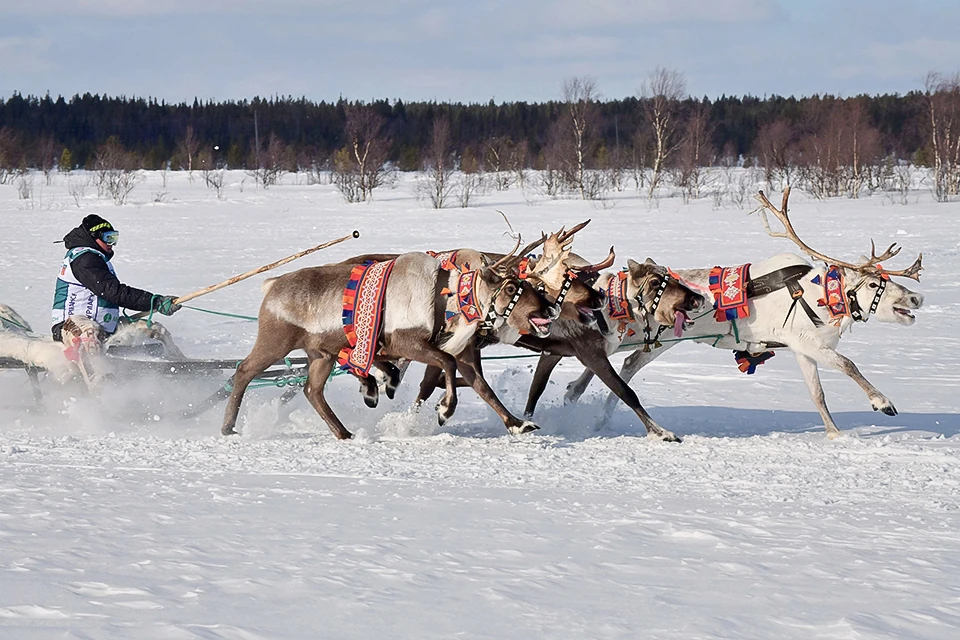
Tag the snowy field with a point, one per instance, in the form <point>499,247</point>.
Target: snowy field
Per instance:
<point>119,522</point>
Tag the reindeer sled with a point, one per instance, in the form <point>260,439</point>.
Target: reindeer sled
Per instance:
<point>139,348</point>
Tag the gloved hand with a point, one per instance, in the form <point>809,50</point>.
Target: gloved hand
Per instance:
<point>167,306</point>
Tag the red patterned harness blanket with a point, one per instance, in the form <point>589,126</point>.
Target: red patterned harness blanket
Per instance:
<point>618,306</point>
<point>363,315</point>
<point>447,259</point>
<point>466,298</point>
<point>729,288</point>
<point>834,294</point>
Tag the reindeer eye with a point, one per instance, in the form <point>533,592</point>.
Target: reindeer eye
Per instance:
<point>654,283</point>
<point>510,289</point>
<point>874,285</point>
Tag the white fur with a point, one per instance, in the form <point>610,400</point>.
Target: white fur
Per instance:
<point>411,292</point>
<point>20,343</point>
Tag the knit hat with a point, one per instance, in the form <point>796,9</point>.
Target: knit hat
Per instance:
<point>96,225</point>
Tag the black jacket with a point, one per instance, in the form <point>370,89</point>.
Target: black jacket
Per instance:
<point>92,272</point>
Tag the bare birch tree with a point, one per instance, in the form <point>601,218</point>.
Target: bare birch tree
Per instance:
<point>661,96</point>
<point>271,162</point>
<point>116,170</point>
<point>496,156</point>
<point>695,152</point>
<point>187,149</point>
<point>776,150</point>
<point>579,123</point>
<point>943,108</point>
<point>437,183</point>
<point>47,157</point>
<point>361,165</point>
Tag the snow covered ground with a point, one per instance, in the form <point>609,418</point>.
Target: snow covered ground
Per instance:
<point>118,522</point>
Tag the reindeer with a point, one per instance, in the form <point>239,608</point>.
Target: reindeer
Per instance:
<point>559,274</point>
<point>778,320</point>
<point>302,310</point>
<point>646,298</point>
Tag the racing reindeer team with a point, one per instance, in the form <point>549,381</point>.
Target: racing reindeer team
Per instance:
<point>383,311</point>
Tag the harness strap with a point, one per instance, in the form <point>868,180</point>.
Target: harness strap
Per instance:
<point>796,292</point>
<point>487,324</point>
<point>856,311</point>
<point>775,280</point>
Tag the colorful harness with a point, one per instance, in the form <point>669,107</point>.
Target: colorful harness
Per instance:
<point>363,315</point>
<point>467,302</point>
<point>618,308</point>
<point>834,294</point>
<point>729,288</point>
<point>448,259</point>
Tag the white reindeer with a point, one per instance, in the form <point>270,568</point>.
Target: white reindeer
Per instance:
<point>19,342</point>
<point>777,322</point>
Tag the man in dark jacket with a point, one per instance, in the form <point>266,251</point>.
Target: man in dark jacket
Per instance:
<point>88,288</point>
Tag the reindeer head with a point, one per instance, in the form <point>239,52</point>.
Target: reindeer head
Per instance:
<point>514,298</point>
<point>868,276</point>
<point>647,279</point>
<point>896,301</point>
<point>531,313</point>
<point>558,269</point>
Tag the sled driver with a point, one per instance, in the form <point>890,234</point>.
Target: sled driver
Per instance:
<point>88,298</point>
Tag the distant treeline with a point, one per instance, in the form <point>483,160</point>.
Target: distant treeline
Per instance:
<point>33,127</point>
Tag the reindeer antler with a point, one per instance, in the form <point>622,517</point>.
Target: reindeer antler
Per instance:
<point>564,236</point>
<point>912,272</point>
<point>871,265</point>
<point>600,266</point>
<point>502,261</point>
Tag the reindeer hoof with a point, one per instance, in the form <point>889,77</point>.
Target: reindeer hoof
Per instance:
<point>528,426</point>
<point>444,412</point>
<point>883,404</point>
<point>228,431</point>
<point>390,391</point>
<point>524,427</point>
<point>833,435</point>
<point>371,401</point>
<point>666,436</point>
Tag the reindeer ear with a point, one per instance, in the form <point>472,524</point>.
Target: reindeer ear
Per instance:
<point>649,261</point>
<point>491,277</point>
<point>632,265</point>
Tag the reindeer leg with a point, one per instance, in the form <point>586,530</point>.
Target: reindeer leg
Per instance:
<point>469,366</point>
<point>370,391</point>
<point>829,358</point>
<point>431,380</point>
<point>808,367</point>
<point>393,374</point>
<point>321,364</point>
<point>545,366</point>
<point>253,365</point>
<point>576,388</point>
<point>416,345</point>
<point>266,350</point>
<point>598,362</point>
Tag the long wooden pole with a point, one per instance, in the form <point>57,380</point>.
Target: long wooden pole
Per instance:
<point>253,272</point>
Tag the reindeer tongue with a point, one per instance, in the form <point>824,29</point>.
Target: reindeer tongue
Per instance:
<point>678,321</point>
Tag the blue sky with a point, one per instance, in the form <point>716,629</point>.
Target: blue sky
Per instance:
<point>469,51</point>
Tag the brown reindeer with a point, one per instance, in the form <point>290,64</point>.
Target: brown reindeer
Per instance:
<point>647,300</point>
<point>302,310</point>
<point>562,276</point>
